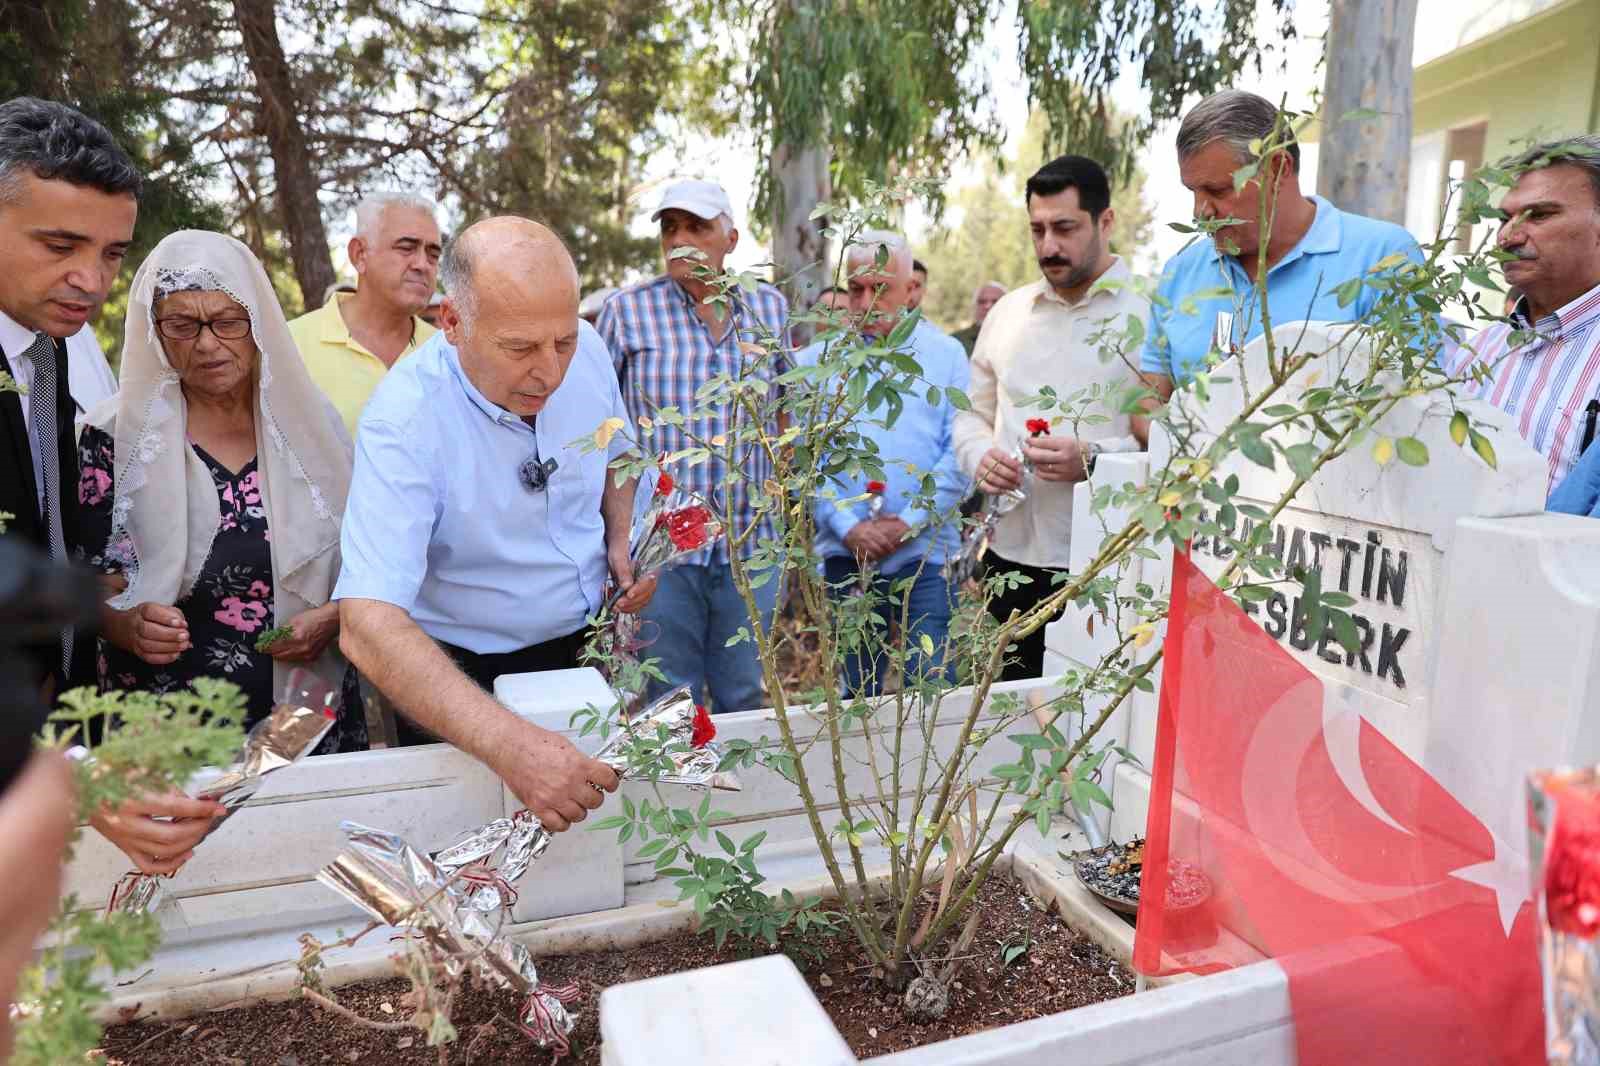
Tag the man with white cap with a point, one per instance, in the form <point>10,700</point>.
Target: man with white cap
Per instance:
<point>667,341</point>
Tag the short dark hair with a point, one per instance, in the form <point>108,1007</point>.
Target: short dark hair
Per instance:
<point>57,143</point>
<point>917,267</point>
<point>1073,172</point>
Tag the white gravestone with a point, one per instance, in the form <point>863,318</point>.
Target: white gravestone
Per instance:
<point>1381,534</point>
<point>1378,533</point>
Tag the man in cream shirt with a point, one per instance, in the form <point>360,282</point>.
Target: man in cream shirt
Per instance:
<point>1050,333</point>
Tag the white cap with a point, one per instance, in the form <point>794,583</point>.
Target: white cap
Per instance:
<point>704,199</point>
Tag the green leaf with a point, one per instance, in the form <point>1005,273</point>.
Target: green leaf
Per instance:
<point>1302,458</point>
<point>1257,450</point>
<point>957,398</point>
<point>1485,450</point>
<point>1459,428</point>
<point>1412,451</point>
<point>1344,630</point>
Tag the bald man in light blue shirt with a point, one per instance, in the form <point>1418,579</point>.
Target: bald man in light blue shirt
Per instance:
<point>478,532</point>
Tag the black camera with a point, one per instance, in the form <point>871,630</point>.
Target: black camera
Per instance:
<point>38,599</point>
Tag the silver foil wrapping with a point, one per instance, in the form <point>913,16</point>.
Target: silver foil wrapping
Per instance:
<point>1564,854</point>
<point>963,565</point>
<point>460,897</point>
<point>668,725</point>
<point>459,901</point>
<point>305,712</point>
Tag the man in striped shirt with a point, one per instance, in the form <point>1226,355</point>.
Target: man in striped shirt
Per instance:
<point>667,341</point>
<point>1543,368</point>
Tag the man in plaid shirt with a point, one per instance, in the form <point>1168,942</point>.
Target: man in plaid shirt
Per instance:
<point>667,342</point>
<point>1543,366</point>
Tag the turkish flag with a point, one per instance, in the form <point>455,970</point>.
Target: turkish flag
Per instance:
<point>1280,830</point>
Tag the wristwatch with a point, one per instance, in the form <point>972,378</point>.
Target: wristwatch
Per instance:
<point>1092,454</point>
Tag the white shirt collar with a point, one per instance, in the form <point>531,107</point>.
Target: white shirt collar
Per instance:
<point>15,338</point>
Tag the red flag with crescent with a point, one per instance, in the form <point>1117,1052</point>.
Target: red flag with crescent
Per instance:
<point>1279,829</point>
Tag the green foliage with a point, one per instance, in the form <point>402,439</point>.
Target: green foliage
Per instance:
<point>583,90</point>
<point>1072,53</point>
<point>81,52</point>
<point>271,636</point>
<point>158,743</point>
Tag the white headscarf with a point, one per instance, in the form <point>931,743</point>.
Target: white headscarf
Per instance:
<point>165,501</point>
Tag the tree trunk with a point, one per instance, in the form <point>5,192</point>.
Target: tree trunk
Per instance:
<point>799,184</point>
<point>1364,163</point>
<point>299,208</point>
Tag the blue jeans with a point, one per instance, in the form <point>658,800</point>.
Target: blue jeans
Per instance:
<point>927,608</point>
<point>696,609</point>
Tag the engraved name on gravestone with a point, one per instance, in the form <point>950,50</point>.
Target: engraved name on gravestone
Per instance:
<point>1390,573</point>
<point>1379,534</point>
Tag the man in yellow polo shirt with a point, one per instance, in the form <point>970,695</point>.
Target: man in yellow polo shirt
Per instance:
<point>351,341</point>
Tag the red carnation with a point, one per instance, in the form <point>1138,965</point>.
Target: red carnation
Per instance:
<point>704,730</point>
<point>1572,865</point>
<point>687,527</point>
<point>664,486</point>
<point>1038,427</point>
<point>877,488</point>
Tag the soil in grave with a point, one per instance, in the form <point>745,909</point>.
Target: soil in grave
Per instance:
<point>1059,970</point>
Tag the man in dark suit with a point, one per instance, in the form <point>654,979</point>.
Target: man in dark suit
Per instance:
<point>68,201</point>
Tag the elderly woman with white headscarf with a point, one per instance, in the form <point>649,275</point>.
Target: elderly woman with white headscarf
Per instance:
<point>213,483</point>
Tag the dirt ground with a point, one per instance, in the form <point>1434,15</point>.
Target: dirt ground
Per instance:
<point>1023,963</point>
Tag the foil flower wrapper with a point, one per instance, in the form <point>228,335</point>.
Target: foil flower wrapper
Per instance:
<point>673,528</point>
<point>975,537</point>
<point>305,712</point>
<point>679,732</point>
<point>458,900</point>
<point>1564,853</point>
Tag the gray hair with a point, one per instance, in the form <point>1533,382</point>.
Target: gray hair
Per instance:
<point>988,285</point>
<point>57,143</point>
<point>369,212</point>
<point>455,274</point>
<point>1582,151</point>
<point>1238,119</point>
<point>864,250</point>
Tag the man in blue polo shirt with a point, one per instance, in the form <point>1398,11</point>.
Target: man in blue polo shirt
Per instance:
<point>1311,247</point>
<point>478,535</point>
<point>914,535</point>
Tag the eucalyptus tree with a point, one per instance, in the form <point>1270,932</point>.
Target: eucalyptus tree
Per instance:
<point>838,92</point>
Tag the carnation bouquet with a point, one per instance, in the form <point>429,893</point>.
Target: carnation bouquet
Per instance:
<point>673,528</point>
<point>305,711</point>
<point>963,566</point>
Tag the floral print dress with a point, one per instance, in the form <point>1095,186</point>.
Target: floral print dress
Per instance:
<point>228,608</point>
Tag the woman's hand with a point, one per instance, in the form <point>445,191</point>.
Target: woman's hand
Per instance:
<point>154,632</point>
<point>310,634</point>
<point>158,832</point>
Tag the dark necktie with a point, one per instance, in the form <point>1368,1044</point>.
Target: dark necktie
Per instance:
<point>42,424</point>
